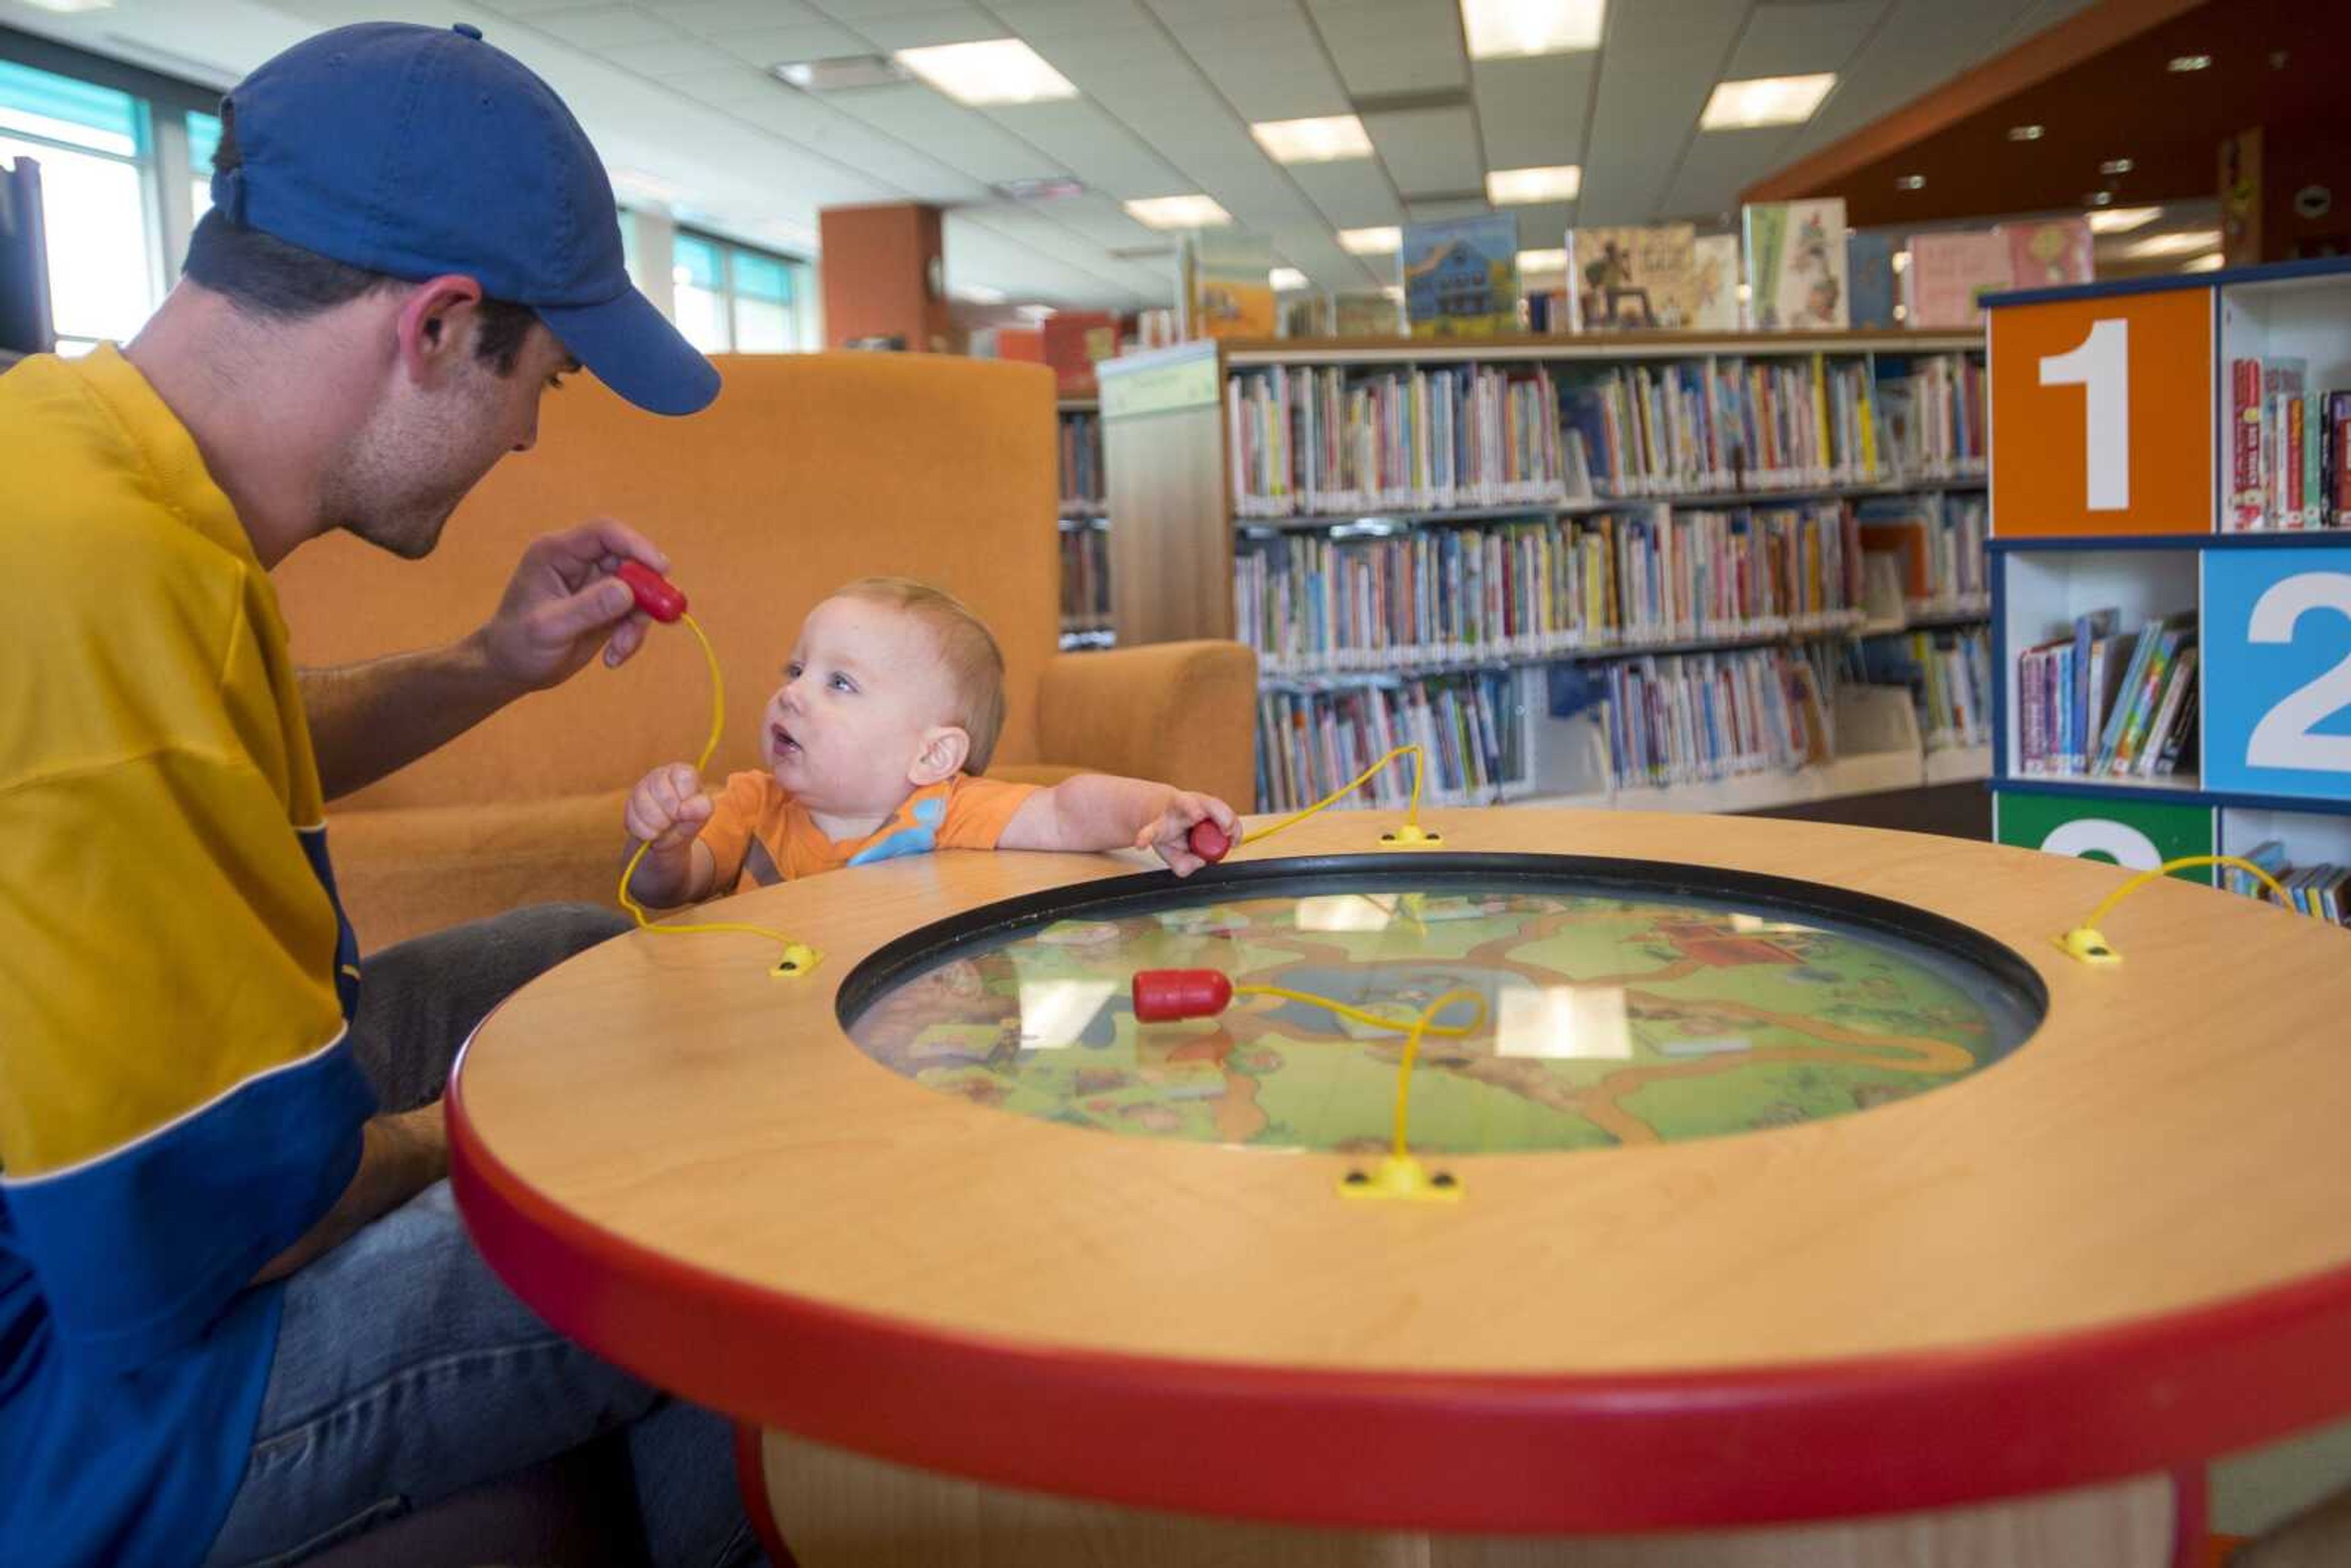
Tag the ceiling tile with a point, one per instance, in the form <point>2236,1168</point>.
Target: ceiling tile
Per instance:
<point>1094,147</point>
<point>730,15</point>
<point>1355,194</point>
<point>1717,167</point>
<point>728,84</point>
<point>1532,113</point>
<point>606,27</point>
<point>919,32</point>
<point>1395,46</point>
<point>675,57</point>
<point>1429,151</point>
<point>775,45</point>
<point>1799,39</point>
<point>960,137</point>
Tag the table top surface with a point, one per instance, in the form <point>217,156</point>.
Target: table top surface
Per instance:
<point>2119,1245</point>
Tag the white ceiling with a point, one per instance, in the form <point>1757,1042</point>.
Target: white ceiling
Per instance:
<point>678,96</point>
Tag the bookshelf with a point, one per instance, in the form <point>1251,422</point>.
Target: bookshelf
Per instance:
<point>1084,522</point>
<point>2119,481</point>
<point>1500,547</point>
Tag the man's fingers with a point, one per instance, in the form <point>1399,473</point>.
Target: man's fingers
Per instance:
<point>600,542</point>
<point>602,604</point>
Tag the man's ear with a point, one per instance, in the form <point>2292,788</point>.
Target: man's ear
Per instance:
<point>945,749</point>
<point>436,324</point>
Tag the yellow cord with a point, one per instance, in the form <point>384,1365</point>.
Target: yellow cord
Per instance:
<point>1410,833</point>
<point>1400,1174</point>
<point>797,958</point>
<point>2087,943</point>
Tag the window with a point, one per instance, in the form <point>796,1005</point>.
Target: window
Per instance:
<point>92,144</point>
<point>204,137</point>
<point>731,299</point>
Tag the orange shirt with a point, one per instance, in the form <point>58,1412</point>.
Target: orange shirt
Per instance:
<point>758,831</point>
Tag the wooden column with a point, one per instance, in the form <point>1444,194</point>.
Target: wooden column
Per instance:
<point>882,282</point>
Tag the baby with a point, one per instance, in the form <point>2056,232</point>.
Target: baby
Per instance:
<point>874,744</point>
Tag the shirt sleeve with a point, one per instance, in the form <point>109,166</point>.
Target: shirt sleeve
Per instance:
<point>180,1101</point>
<point>735,818</point>
<point>978,810</point>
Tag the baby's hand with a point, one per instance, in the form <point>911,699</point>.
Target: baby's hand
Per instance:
<point>667,808</point>
<point>1169,834</point>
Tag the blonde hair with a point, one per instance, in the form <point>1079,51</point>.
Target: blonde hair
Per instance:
<point>975,664</point>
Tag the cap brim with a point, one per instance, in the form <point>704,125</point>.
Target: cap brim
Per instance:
<point>633,349</point>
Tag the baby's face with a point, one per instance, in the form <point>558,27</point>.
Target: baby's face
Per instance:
<point>864,684</point>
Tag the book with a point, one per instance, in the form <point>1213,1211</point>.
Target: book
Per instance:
<point>1715,284</point>
<point>1869,263</point>
<point>2179,686</point>
<point>1635,278</point>
<point>2168,636</point>
<point>1461,276</point>
<point>1226,284</point>
<point>1795,255</point>
<point>2044,253</point>
<point>2118,709</point>
<point>1950,274</point>
<point>1365,313</point>
<point>2089,630</point>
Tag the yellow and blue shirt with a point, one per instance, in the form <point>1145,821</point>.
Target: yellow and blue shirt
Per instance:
<point>178,1098</point>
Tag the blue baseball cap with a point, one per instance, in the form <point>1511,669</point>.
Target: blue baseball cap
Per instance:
<point>413,152</point>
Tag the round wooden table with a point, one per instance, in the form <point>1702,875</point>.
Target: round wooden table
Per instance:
<point>1984,1324</point>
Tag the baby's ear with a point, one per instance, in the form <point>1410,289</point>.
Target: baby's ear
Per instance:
<point>945,749</point>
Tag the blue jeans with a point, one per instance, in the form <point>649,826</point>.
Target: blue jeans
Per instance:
<point>406,1372</point>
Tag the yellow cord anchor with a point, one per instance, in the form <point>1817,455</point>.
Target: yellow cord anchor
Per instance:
<point>1411,835</point>
<point>2087,944</point>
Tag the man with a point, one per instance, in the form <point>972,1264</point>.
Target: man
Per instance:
<point>238,1318</point>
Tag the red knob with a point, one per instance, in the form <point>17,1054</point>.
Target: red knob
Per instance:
<point>1210,842</point>
<point>656,595</point>
<point>1162,995</point>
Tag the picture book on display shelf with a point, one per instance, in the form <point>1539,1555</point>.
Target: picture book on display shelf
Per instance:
<point>1461,278</point>
<point>1632,279</point>
<point>1226,284</point>
<point>1796,265</point>
<point>1950,274</point>
<point>1715,284</point>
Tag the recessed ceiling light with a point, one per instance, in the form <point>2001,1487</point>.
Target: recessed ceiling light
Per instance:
<point>1764,100</point>
<point>1035,312</point>
<point>1511,187</point>
<point>2098,199</point>
<point>1745,293</point>
<point>2026,132</point>
<point>1286,278</point>
<point>999,71</point>
<point>1506,29</point>
<point>1542,260</point>
<point>979,294</point>
<point>2212,263</point>
<point>842,73</point>
<point>1040,188</point>
<point>1900,261</point>
<point>1372,241</point>
<point>2116,166</point>
<point>2190,63</point>
<point>1324,141</point>
<point>71,7</point>
<point>1911,183</point>
<point>2122,220</point>
<point>2183,242</point>
<point>1394,291</point>
<point>1178,213</point>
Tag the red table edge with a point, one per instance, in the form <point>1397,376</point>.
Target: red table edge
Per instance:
<point>1462,1454</point>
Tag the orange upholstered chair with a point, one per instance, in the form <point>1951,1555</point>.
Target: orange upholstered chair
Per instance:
<point>808,470</point>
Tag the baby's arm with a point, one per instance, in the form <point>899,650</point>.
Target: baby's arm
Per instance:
<point>665,811</point>
<point>1103,811</point>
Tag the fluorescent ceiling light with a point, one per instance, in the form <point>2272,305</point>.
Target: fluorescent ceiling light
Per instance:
<point>70,8</point>
<point>1286,278</point>
<point>1193,212</point>
<point>2210,263</point>
<point>1514,187</point>
<point>1372,241</point>
<point>1544,260</point>
<point>1506,29</point>
<point>2122,220</point>
<point>979,294</point>
<point>1000,70</point>
<point>1764,100</point>
<point>2184,242</point>
<point>1035,312</point>
<point>1324,141</point>
<point>1394,291</point>
<point>841,73</point>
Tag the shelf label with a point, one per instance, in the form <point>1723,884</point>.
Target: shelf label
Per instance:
<point>2133,834</point>
<point>2277,660</point>
<point>2103,415</point>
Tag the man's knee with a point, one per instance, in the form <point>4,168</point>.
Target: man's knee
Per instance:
<point>524,943</point>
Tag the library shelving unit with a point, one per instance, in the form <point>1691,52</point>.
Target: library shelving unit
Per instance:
<point>1084,523</point>
<point>2115,471</point>
<point>1621,570</point>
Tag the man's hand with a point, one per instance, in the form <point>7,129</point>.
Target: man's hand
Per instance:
<point>562,602</point>
<point>1169,833</point>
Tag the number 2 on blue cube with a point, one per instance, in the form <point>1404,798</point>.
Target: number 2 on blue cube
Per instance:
<point>2277,672</point>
